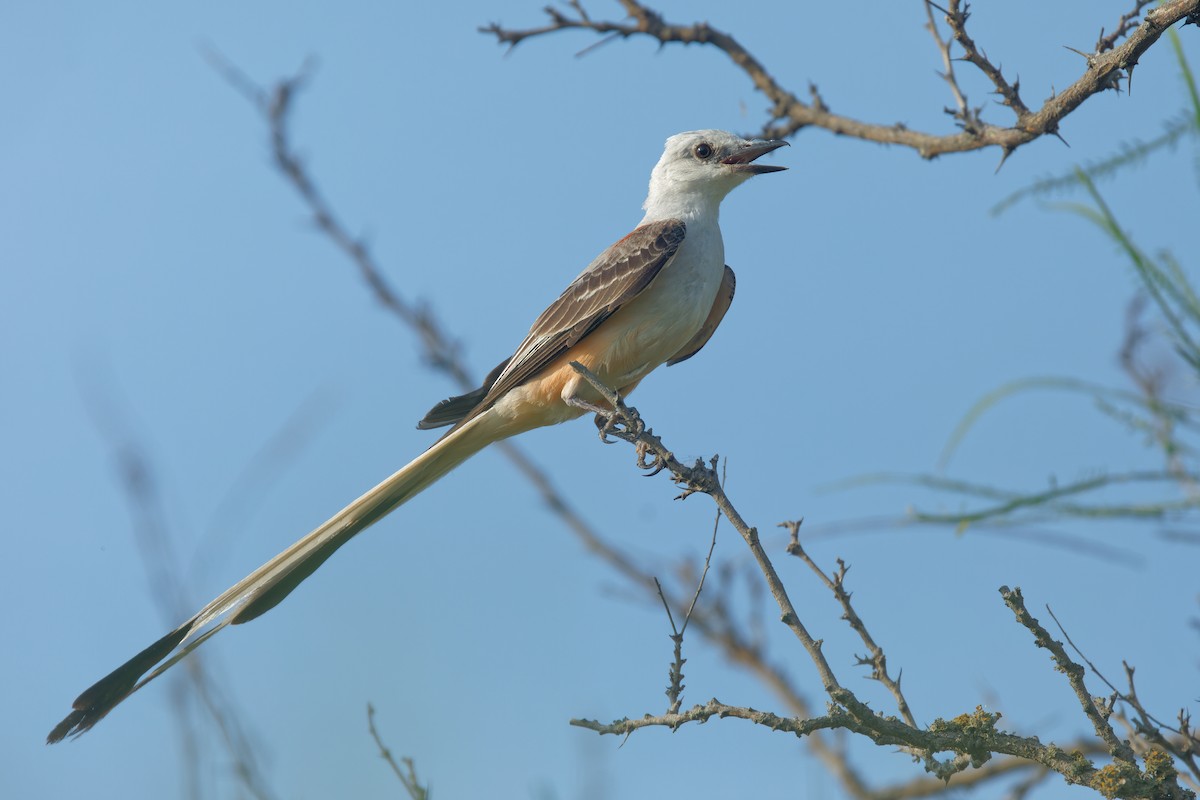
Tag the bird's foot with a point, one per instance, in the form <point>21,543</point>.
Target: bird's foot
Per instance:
<point>617,419</point>
<point>621,421</point>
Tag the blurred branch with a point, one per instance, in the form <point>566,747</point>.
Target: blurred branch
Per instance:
<point>407,775</point>
<point>1163,422</point>
<point>788,114</point>
<point>275,106</point>
<point>1181,413</point>
<point>1166,284</point>
<point>279,451</point>
<point>155,544</point>
<point>1147,410</point>
<point>1127,154</point>
<point>1049,503</point>
<point>438,348</point>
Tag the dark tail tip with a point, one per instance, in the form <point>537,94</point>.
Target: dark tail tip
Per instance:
<point>107,693</point>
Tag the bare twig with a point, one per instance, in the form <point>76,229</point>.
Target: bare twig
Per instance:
<point>1148,730</point>
<point>704,573</point>
<point>675,683</point>
<point>1160,778</point>
<point>965,115</point>
<point>836,584</point>
<point>701,714</point>
<point>1099,717</point>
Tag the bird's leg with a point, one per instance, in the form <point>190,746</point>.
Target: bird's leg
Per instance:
<point>619,419</point>
<point>592,408</point>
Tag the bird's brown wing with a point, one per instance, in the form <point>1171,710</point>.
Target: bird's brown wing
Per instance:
<point>617,275</point>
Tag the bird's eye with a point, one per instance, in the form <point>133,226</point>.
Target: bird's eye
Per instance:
<point>703,151</point>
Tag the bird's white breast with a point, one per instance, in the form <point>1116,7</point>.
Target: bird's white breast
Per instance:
<point>656,324</point>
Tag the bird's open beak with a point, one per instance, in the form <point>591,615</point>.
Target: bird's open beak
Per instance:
<point>742,160</point>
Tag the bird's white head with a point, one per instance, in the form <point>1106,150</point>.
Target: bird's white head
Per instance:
<point>699,168</point>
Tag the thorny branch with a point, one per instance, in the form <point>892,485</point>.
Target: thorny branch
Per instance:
<point>957,12</point>
<point>788,114</point>
<point>973,738</point>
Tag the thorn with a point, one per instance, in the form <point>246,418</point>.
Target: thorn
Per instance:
<point>1005,152</point>
<point>818,102</point>
<point>600,43</point>
<point>1091,62</point>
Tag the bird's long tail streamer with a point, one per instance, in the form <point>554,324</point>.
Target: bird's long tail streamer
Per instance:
<point>263,589</point>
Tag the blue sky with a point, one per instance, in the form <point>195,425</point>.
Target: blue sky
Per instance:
<point>159,283</point>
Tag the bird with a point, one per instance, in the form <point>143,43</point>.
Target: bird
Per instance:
<point>654,297</point>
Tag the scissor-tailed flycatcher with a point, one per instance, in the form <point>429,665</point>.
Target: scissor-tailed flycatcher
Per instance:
<point>654,297</point>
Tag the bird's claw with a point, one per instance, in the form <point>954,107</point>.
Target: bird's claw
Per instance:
<point>622,421</point>
<point>655,463</point>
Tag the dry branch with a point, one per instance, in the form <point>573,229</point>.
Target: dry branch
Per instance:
<point>788,114</point>
<point>973,737</point>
